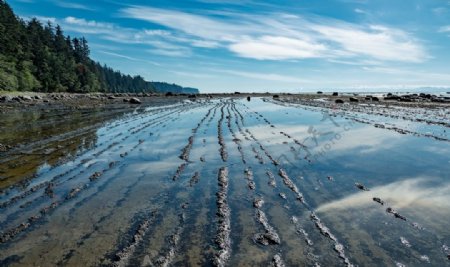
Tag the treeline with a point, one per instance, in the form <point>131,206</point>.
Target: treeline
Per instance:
<point>37,57</point>
<point>174,88</point>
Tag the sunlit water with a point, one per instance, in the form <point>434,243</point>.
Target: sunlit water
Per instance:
<point>141,190</point>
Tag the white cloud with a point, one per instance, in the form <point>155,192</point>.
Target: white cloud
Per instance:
<point>277,48</point>
<point>271,36</point>
<point>286,36</point>
<point>413,193</point>
<point>92,23</point>
<point>378,42</point>
<point>162,41</point>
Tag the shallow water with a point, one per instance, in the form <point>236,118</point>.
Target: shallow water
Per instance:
<point>143,189</point>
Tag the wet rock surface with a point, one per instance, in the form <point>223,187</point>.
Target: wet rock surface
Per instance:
<point>223,213</point>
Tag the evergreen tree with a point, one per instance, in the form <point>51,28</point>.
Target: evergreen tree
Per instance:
<point>37,57</point>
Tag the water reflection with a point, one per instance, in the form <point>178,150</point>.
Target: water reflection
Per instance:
<point>113,201</point>
<point>423,192</point>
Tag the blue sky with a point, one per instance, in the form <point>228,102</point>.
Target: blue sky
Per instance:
<point>252,45</point>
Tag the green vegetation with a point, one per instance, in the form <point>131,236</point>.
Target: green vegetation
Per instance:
<point>40,58</point>
<point>174,88</point>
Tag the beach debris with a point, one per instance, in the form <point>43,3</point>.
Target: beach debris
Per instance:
<point>249,176</point>
<point>194,179</point>
<point>405,242</point>
<point>277,261</point>
<point>338,247</point>
<point>258,202</point>
<point>301,231</point>
<point>271,179</point>
<point>270,237</point>
<point>425,258</point>
<point>288,182</point>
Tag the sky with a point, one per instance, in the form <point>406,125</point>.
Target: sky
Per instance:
<point>259,46</point>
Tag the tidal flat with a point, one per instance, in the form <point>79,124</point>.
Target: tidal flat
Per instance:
<point>226,181</point>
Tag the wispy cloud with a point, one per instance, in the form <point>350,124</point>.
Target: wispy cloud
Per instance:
<point>378,42</point>
<point>72,5</point>
<point>162,42</point>
<point>286,36</point>
<point>444,29</point>
<point>89,26</point>
<point>127,57</point>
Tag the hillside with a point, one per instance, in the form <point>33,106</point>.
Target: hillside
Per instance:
<point>174,88</point>
<point>40,58</point>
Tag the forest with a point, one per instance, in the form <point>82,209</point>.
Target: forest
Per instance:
<point>40,57</point>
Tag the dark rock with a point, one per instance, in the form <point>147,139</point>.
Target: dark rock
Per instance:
<point>192,96</point>
<point>126,100</point>
<point>95,176</point>
<point>395,213</point>
<point>353,99</point>
<point>339,101</point>
<point>361,187</point>
<point>257,203</point>
<point>25,98</point>
<point>267,239</point>
<point>248,98</point>
<point>49,190</point>
<point>374,98</point>
<point>392,97</point>
<point>135,100</point>
<point>111,97</point>
<point>319,92</point>
<point>276,96</point>
<point>377,199</point>
<point>5,98</point>
<point>169,94</point>
<point>237,93</point>
<point>335,94</point>
<point>4,148</point>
